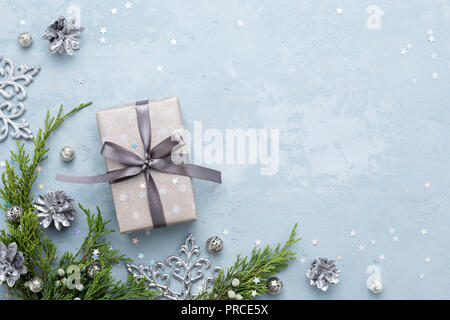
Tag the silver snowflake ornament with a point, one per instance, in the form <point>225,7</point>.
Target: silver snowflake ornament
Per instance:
<point>12,85</point>
<point>188,268</point>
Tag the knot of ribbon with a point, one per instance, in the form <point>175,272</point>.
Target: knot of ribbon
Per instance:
<point>157,158</point>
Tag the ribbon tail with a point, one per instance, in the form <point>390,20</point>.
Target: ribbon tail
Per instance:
<point>189,170</point>
<point>155,204</point>
<point>112,176</point>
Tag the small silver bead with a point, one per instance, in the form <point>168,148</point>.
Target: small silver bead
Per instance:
<point>25,39</point>
<point>214,244</point>
<point>35,285</point>
<point>274,285</point>
<point>14,213</point>
<point>67,153</point>
<point>376,286</point>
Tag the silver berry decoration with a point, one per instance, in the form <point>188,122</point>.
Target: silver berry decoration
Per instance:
<point>376,286</point>
<point>322,273</point>
<point>14,213</point>
<point>35,285</point>
<point>25,39</point>
<point>214,244</point>
<point>274,285</point>
<point>55,206</point>
<point>11,263</point>
<point>62,35</point>
<point>67,153</point>
<point>61,272</point>
<point>93,268</point>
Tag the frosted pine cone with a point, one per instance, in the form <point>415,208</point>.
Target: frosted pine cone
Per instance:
<point>55,206</point>
<point>62,35</point>
<point>11,264</point>
<point>322,273</point>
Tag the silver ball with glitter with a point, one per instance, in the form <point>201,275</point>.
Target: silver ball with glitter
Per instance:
<point>214,244</point>
<point>35,285</point>
<point>67,153</point>
<point>274,285</point>
<point>25,39</point>
<point>14,213</point>
<point>376,286</point>
<point>93,268</point>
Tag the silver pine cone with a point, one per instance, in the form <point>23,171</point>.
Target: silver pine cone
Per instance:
<point>11,263</point>
<point>55,206</point>
<point>322,273</point>
<point>62,35</point>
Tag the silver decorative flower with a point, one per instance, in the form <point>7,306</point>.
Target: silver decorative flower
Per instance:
<point>322,273</point>
<point>55,206</point>
<point>11,264</point>
<point>62,35</point>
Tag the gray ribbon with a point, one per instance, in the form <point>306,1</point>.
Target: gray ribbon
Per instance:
<point>157,158</point>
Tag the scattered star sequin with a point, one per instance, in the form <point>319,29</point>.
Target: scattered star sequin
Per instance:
<point>140,255</point>
<point>421,276</point>
<point>102,40</point>
<point>360,247</point>
<point>409,46</point>
<point>315,242</point>
<point>427,260</point>
<point>403,52</point>
<point>41,186</point>
<point>352,233</point>
<point>258,242</point>
<point>302,260</point>
<point>148,232</point>
<point>423,231</point>
<point>339,257</point>
<point>173,41</point>
<point>391,231</point>
<point>240,23</point>
<point>373,242</point>
<point>254,293</point>
<point>113,11</point>
<point>159,68</point>
<point>427,185</point>
<point>22,22</point>
<point>76,232</point>
<point>431,38</point>
<point>435,75</point>
<point>95,252</point>
<point>128,5</point>
<point>135,240</point>
<point>226,232</point>
<point>3,164</point>
<point>396,238</point>
<point>339,11</point>
<point>256,280</point>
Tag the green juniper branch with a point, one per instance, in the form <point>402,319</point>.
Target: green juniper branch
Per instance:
<point>262,264</point>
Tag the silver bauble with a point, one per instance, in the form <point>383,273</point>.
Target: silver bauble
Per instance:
<point>35,285</point>
<point>93,268</point>
<point>376,286</point>
<point>67,153</point>
<point>274,285</point>
<point>14,213</point>
<point>214,244</point>
<point>25,39</point>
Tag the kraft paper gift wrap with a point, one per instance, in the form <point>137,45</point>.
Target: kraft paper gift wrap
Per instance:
<point>119,125</point>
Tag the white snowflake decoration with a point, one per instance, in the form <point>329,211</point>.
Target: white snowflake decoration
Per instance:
<point>12,85</point>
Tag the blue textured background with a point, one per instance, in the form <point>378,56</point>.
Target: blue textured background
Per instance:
<point>362,127</point>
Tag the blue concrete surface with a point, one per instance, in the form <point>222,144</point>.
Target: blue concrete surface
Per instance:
<point>363,127</point>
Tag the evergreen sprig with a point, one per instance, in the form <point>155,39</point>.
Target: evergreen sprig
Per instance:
<point>262,264</point>
<point>40,252</point>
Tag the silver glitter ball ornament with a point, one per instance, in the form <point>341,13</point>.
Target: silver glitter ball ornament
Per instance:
<point>25,39</point>
<point>376,286</point>
<point>67,153</point>
<point>214,244</point>
<point>14,213</point>
<point>93,268</point>
<point>35,285</point>
<point>274,285</point>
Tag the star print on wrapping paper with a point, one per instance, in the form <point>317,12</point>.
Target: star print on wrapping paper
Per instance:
<point>142,186</point>
<point>174,180</point>
<point>135,240</point>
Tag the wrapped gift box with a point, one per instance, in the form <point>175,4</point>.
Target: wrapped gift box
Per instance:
<point>119,125</point>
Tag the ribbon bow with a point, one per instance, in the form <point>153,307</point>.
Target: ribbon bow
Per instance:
<point>157,158</point>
